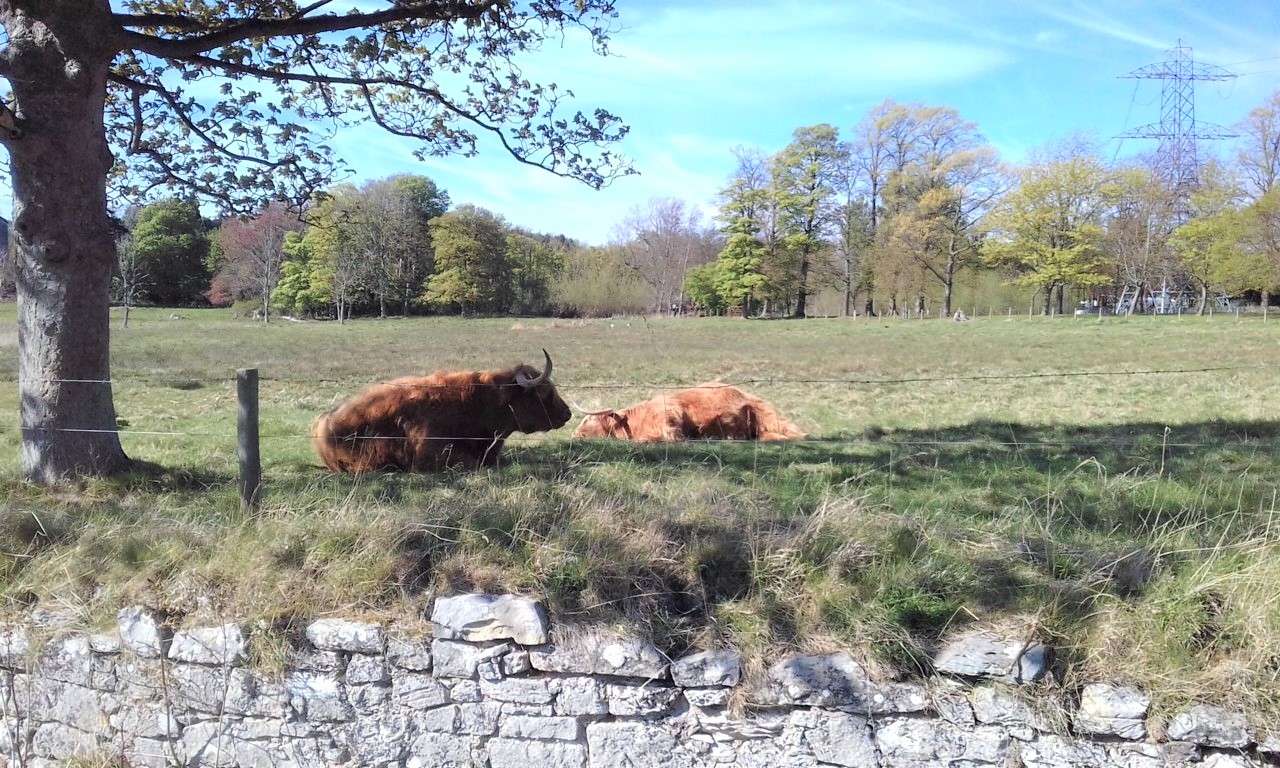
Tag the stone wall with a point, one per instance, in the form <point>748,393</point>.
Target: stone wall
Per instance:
<point>490,688</point>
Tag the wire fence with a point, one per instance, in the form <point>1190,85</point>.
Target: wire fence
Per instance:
<point>354,386</point>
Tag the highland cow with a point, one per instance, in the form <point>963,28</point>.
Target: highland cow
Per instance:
<point>458,419</point>
<point>711,411</point>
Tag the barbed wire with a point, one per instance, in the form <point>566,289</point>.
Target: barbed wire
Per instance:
<point>766,380</point>
<point>769,381</point>
<point>709,442</point>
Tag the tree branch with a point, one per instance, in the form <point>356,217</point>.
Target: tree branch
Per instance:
<point>135,145</point>
<point>299,24</point>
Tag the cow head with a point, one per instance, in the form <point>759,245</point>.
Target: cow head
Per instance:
<point>604,424</point>
<point>534,402</point>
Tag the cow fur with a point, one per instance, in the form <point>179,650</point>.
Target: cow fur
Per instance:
<point>458,419</point>
<point>714,411</point>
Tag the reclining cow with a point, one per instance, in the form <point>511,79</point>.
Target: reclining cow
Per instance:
<point>714,411</point>
<point>445,420</point>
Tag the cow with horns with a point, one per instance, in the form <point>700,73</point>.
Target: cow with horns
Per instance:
<point>456,419</point>
<point>715,411</point>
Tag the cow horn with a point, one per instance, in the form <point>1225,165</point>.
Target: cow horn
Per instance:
<point>585,412</point>
<point>527,382</point>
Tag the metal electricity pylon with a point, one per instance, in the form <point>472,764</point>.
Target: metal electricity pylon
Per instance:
<point>1177,161</point>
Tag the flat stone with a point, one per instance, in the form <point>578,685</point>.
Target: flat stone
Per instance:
<point>406,653</point>
<point>1050,751</point>
<point>833,680</point>
<point>1109,710</point>
<point>979,655</point>
<point>142,632</point>
<point>903,741</point>
<point>841,739</point>
<point>531,727</point>
<point>1211,726</point>
<point>707,669</point>
<point>213,646</point>
<point>641,700</point>
<point>478,618</point>
<point>521,753</point>
<point>348,636</point>
<point>597,653</point>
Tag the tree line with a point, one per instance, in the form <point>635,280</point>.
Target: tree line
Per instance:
<point>889,219</point>
<point>396,246</point>
<point>915,197</point>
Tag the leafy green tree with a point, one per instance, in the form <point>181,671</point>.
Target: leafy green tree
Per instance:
<point>748,215</point>
<point>386,223</point>
<point>1048,229</point>
<point>1258,162</point>
<point>473,271</point>
<point>700,286</point>
<point>305,281</point>
<point>1212,246</point>
<point>535,265</point>
<point>804,176</point>
<point>170,246</point>
<point>739,276</point>
<point>101,87</point>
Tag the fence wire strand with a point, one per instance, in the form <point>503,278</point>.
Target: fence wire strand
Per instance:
<point>766,381</point>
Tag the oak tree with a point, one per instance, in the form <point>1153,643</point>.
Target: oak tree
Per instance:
<point>224,97</point>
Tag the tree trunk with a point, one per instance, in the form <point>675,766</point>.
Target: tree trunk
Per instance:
<point>64,246</point>
<point>803,290</point>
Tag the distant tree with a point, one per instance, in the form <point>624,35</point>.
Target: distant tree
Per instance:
<point>748,219</point>
<point>131,278</point>
<point>472,268</point>
<point>1137,229</point>
<point>1048,229</point>
<point>385,223</point>
<point>1258,162</point>
<point>661,240</point>
<point>253,253</point>
<point>739,276</point>
<point>1212,245</point>
<point>596,282</point>
<point>700,286</point>
<point>877,149</point>
<point>171,246</point>
<point>535,264</point>
<point>804,178</point>
<point>305,282</point>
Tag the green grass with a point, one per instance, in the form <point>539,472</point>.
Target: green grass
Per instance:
<point>1109,486</point>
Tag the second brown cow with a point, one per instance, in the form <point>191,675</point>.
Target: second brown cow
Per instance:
<point>714,411</point>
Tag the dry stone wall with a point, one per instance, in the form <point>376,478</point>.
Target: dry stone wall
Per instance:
<point>489,687</point>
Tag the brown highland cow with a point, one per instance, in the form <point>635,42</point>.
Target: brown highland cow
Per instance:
<point>442,421</point>
<point>714,411</point>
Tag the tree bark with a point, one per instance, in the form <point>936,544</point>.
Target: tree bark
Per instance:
<point>64,247</point>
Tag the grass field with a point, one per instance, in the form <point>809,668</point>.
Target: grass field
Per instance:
<point>1109,486</point>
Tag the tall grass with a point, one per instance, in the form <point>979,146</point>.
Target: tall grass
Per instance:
<point>1109,486</point>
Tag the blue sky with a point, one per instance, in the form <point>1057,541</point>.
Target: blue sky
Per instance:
<point>695,78</point>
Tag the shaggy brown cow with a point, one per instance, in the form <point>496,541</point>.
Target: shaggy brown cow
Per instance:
<point>713,410</point>
<point>441,421</point>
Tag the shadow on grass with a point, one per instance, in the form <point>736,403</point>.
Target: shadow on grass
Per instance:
<point>898,538</point>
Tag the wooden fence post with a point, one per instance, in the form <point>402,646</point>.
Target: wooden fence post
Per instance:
<point>247,438</point>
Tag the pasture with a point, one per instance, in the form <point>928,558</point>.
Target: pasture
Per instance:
<point>1106,485</point>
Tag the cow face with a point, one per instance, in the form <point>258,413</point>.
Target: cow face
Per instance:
<point>535,403</point>
<point>603,424</point>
